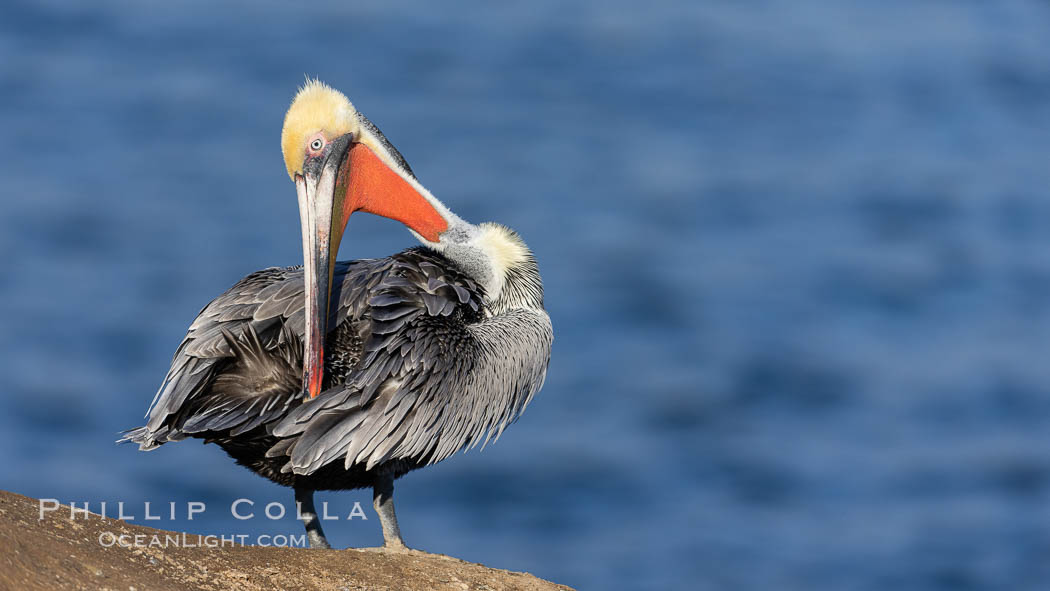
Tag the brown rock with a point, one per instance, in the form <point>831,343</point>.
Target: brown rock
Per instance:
<point>57,553</point>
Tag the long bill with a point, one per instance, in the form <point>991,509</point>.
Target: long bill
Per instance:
<point>351,178</point>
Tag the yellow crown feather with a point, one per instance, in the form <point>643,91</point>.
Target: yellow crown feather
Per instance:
<point>317,107</point>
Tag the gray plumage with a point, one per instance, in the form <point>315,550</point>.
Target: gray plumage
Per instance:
<point>419,364</point>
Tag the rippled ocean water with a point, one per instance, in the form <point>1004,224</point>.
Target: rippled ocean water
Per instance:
<point>797,257</point>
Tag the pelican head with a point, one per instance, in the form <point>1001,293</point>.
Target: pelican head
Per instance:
<point>341,163</point>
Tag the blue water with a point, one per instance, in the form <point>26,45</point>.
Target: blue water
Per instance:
<point>797,256</point>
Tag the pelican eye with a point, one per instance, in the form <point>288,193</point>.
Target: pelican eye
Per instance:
<point>316,145</point>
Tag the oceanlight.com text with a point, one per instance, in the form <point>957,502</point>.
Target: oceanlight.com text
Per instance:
<point>184,540</point>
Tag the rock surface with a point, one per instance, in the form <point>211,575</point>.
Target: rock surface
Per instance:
<point>59,553</point>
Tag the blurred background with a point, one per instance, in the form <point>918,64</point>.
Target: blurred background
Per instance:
<point>797,257</point>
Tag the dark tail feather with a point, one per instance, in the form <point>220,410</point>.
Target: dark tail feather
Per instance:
<point>142,436</point>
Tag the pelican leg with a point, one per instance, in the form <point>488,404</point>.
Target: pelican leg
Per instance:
<point>383,501</point>
<point>304,500</point>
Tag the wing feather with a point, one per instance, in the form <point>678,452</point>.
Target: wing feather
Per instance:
<point>418,353</point>
<point>265,307</point>
<point>432,377</point>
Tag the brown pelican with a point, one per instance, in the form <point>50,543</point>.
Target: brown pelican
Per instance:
<point>421,354</point>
